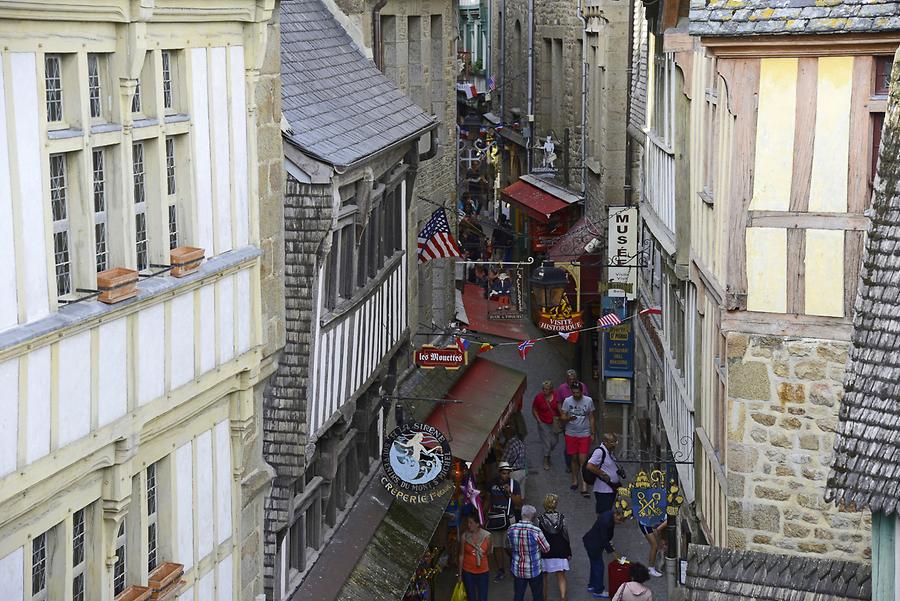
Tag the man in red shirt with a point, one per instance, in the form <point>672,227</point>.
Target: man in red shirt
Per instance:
<point>545,409</point>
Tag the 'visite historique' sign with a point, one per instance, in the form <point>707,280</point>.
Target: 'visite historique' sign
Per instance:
<point>416,460</point>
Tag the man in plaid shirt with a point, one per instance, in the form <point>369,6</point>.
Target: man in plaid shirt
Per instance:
<point>526,543</point>
<point>514,455</point>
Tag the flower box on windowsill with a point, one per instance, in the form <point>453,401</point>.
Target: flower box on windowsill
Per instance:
<point>134,593</point>
<point>117,284</point>
<point>164,581</point>
<point>185,260</point>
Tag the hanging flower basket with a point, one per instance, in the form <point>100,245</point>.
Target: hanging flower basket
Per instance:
<point>134,593</point>
<point>185,260</point>
<point>165,581</point>
<point>116,285</point>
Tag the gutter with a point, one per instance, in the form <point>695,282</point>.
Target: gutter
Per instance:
<point>377,42</point>
<point>628,92</point>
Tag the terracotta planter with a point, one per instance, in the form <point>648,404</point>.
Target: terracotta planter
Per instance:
<point>185,260</point>
<point>134,593</point>
<point>164,580</point>
<point>117,284</point>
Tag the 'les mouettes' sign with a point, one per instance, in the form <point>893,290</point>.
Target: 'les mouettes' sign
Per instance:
<point>429,357</point>
<point>416,460</point>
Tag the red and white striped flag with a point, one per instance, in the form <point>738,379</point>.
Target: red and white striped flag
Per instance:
<point>435,239</point>
<point>609,320</point>
<point>570,336</point>
<point>651,311</point>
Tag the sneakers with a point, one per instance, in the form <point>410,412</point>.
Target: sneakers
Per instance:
<point>501,574</point>
<point>603,595</point>
<point>655,573</point>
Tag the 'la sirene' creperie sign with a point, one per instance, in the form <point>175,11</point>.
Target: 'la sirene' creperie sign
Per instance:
<point>623,259</point>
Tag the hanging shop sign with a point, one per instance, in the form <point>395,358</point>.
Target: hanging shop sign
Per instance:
<point>650,498</point>
<point>429,357</point>
<point>623,259</point>
<point>505,293</point>
<point>561,318</point>
<point>416,460</point>
<point>618,352</point>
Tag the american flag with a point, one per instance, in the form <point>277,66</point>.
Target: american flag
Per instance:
<point>492,83</point>
<point>435,239</point>
<point>524,347</point>
<point>609,320</point>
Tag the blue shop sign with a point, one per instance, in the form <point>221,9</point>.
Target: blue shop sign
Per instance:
<point>618,351</point>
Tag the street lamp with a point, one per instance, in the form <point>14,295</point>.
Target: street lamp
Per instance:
<point>548,284</point>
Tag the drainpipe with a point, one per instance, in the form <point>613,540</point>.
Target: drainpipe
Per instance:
<point>629,79</point>
<point>583,20</point>
<point>377,42</point>
<point>530,116</point>
<point>502,86</point>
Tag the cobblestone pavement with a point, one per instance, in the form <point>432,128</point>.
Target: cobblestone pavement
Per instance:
<point>549,360</point>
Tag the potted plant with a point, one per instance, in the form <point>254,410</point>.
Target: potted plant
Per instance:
<point>185,260</point>
<point>164,580</point>
<point>134,593</point>
<point>117,284</point>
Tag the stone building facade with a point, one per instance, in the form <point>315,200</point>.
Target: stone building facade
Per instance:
<point>783,396</point>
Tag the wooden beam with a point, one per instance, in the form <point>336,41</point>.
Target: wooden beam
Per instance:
<point>796,271</point>
<point>742,78</point>
<point>850,44</point>
<point>808,221</point>
<point>859,190</point>
<point>677,41</point>
<point>853,252</point>
<point>787,325</point>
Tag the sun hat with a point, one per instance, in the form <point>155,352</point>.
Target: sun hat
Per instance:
<point>504,466</point>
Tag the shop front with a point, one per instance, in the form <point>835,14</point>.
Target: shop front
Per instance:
<point>540,212</point>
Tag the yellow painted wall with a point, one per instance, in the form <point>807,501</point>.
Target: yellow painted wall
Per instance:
<point>824,275</point>
<point>767,269</point>
<point>775,134</point>
<point>828,188</point>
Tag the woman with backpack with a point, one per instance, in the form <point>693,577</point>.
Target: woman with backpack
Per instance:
<point>634,589</point>
<point>553,525</point>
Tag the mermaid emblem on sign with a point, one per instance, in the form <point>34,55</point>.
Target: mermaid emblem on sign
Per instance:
<point>416,457</point>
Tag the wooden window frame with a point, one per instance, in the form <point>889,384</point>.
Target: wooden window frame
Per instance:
<point>80,572</point>
<point>63,258</point>
<point>120,567</point>
<point>100,205</point>
<point>141,226</point>
<point>153,530</point>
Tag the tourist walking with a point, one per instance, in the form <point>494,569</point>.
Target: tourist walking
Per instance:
<point>602,463</point>
<point>474,551</point>
<point>504,502</point>
<point>545,408</point>
<point>634,589</point>
<point>526,543</point>
<point>597,541</point>
<point>577,413</point>
<point>514,455</point>
<point>556,561</point>
<point>562,393</point>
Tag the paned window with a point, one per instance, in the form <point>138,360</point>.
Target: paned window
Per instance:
<point>100,237</point>
<point>167,79</point>
<point>53,86</point>
<point>119,567</point>
<point>152,519</point>
<point>140,206</point>
<point>39,568</point>
<point>883,66</point>
<point>78,556</point>
<point>171,190</point>
<point>59,209</point>
<point>94,94</point>
<point>136,99</point>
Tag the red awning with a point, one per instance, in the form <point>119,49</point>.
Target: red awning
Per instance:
<point>490,393</point>
<point>538,204</point>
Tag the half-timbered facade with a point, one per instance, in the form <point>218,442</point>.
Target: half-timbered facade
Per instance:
<point>347,260</point>
<point>782,129</point>
<point>128,129</point>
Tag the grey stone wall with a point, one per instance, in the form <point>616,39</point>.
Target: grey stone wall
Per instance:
<point>270,187</point>
<point>782,415</point>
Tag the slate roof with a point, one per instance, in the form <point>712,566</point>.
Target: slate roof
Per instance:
<point>773,17</point>
<point>339,106</point>
<point>866,467</point>
<point>720,574</point>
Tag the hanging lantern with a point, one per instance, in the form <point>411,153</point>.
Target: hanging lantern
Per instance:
<point>548,284</point>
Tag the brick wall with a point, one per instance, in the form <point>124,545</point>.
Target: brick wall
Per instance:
<point>783,399</point>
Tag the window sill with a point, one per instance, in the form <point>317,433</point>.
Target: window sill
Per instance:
<point>63,134</point>
<point>145,122</point>
<point>103,128</point>
<point>177,118</point>
<point>346,306</point>
<point>149,288</point>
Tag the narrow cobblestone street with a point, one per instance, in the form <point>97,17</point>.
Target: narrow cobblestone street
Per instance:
<point>549,360</point>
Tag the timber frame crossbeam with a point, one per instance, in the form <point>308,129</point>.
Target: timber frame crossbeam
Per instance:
<point>846,44</point>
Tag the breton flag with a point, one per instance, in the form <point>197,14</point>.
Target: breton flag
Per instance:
<point>651,311</point>
<point>524,347</point>
<point>609,320</point>
<point>570,336</point>
<point>435,239</point>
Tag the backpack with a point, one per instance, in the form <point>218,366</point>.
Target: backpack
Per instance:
<point>499,518</point>
<point>587,475</point>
